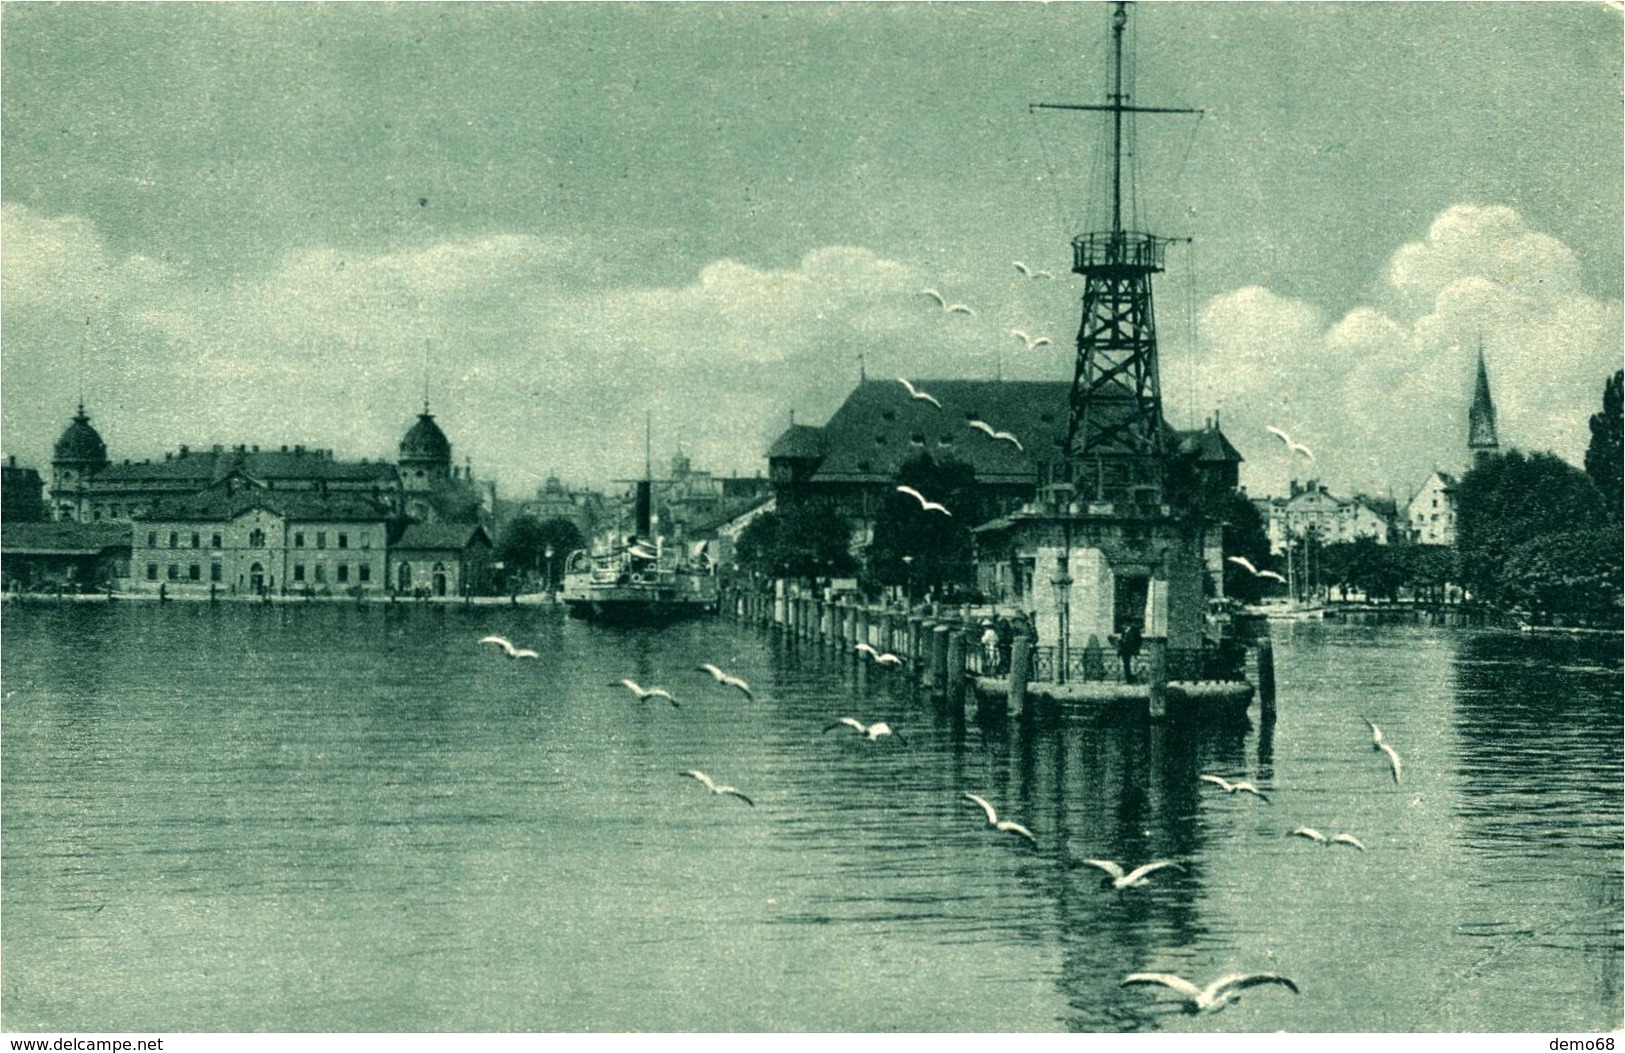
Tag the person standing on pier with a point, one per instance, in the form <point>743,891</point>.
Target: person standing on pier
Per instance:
<point>1128,648</point>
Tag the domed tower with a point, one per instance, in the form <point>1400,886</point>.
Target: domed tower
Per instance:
<point>78,455</point>
<point>425,455</point>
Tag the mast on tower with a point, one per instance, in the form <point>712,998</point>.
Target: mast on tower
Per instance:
<point>1115,433</point>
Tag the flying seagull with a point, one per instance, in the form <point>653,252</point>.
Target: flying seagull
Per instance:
<point>1134,878</point>
<point>1003,826</point>
<point>1319,838</point>
<point>951,308</point>
<point>1247,564</point>
<point>644,693</point>
<point>1235,787</point>
<point>1029,272</point>
<point>886,658</point>
<point>1393,758</point>
<point>872,732</point>
<point>705,780</point>
<point>727,679</point>
<point>507,646</point>
<point>1292,447</point>
<point>1031,341</point>
<point>1216,995</point>
<point>925,506</point>
<point>1376,733</point>
<point>984,426</point>
<point>915,392</point>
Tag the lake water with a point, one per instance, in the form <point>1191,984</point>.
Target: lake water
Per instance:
<point>330,818</point>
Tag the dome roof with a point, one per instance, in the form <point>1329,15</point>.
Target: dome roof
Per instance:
<point>80,442</point>
<point>425,441</point>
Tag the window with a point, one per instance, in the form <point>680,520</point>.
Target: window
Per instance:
<point>195,540</point>
<point>321,573</point>
<point>299,539</point>
<point>214,541</point>
<point>344,571</point>
<point>298,572</point>
<point>216,572</point>
<point>174,572</point>
<point>174,539</point>
<point>152,572</point>
<point>364,572</point>
<point>344,540</point>
<point>366,540</point>
<point>321,539</point>
<point>195,572</point>
<point>152,539</point>
<point>256,538</point>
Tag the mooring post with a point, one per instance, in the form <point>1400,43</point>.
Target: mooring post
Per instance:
<point>1156,647</point>
<point>1156,671</point>
<point>1266,680</point>
<point>1021,657</point>
<point>862,615</point>
<point>780,612</point>
<point>954,670</point>
<point>916,661</point>
<point>939,657</point>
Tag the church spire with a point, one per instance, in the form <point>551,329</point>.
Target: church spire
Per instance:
<point>1482,442</point>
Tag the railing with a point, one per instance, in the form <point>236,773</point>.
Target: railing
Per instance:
<point>1125,249</point>
<point>1097,665</point>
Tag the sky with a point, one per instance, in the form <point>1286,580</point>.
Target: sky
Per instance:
<point>277,224</point>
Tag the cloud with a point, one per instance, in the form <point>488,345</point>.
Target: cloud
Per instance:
<point>1382,397</point>
<point>535,363</point>
<point>540,360</point>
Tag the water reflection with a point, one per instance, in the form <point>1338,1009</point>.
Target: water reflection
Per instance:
<point>357,817</point>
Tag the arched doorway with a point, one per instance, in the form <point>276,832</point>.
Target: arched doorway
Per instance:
<point>404,578</point>
<point>256,578</point>
<point>439,579</point>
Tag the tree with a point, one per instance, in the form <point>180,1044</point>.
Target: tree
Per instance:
<point>1428,569</point>
<point>524,544</point>
<point>1512,500</point>
<point>1244,536</point>
<point>804,539</point>
<point>1605,457</point>
<point>1571,572</point>
<point>920,549</point>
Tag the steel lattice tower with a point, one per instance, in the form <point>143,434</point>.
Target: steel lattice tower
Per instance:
<point>1115,435</point>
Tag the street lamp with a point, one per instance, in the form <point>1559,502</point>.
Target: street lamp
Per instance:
<point>548,555</point>
<point>1063,595</point>
<point>908,582</point>
<point>1063,603</point>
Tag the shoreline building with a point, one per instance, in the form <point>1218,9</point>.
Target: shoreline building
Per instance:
<point>88,487</point>
<point>1090,511</point>
<point>1310,510</point>
<point>244,521</point>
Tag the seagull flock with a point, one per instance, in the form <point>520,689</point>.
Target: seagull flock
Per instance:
<point>1118,876</point>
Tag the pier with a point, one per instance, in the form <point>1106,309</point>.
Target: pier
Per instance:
<point>941,652</point>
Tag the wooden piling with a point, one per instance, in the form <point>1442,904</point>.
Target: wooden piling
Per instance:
<point>954,670</point>
<point>1156,671</point>
<point>939,658</point>
<point>862,622</point>
<point>1021,656</point>
<point>1266,680</point>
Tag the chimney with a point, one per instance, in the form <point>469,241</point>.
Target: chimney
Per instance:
<point>284,447</point>
<point>11,462</point>
<point>184,451</point>
<point>256,449</point>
